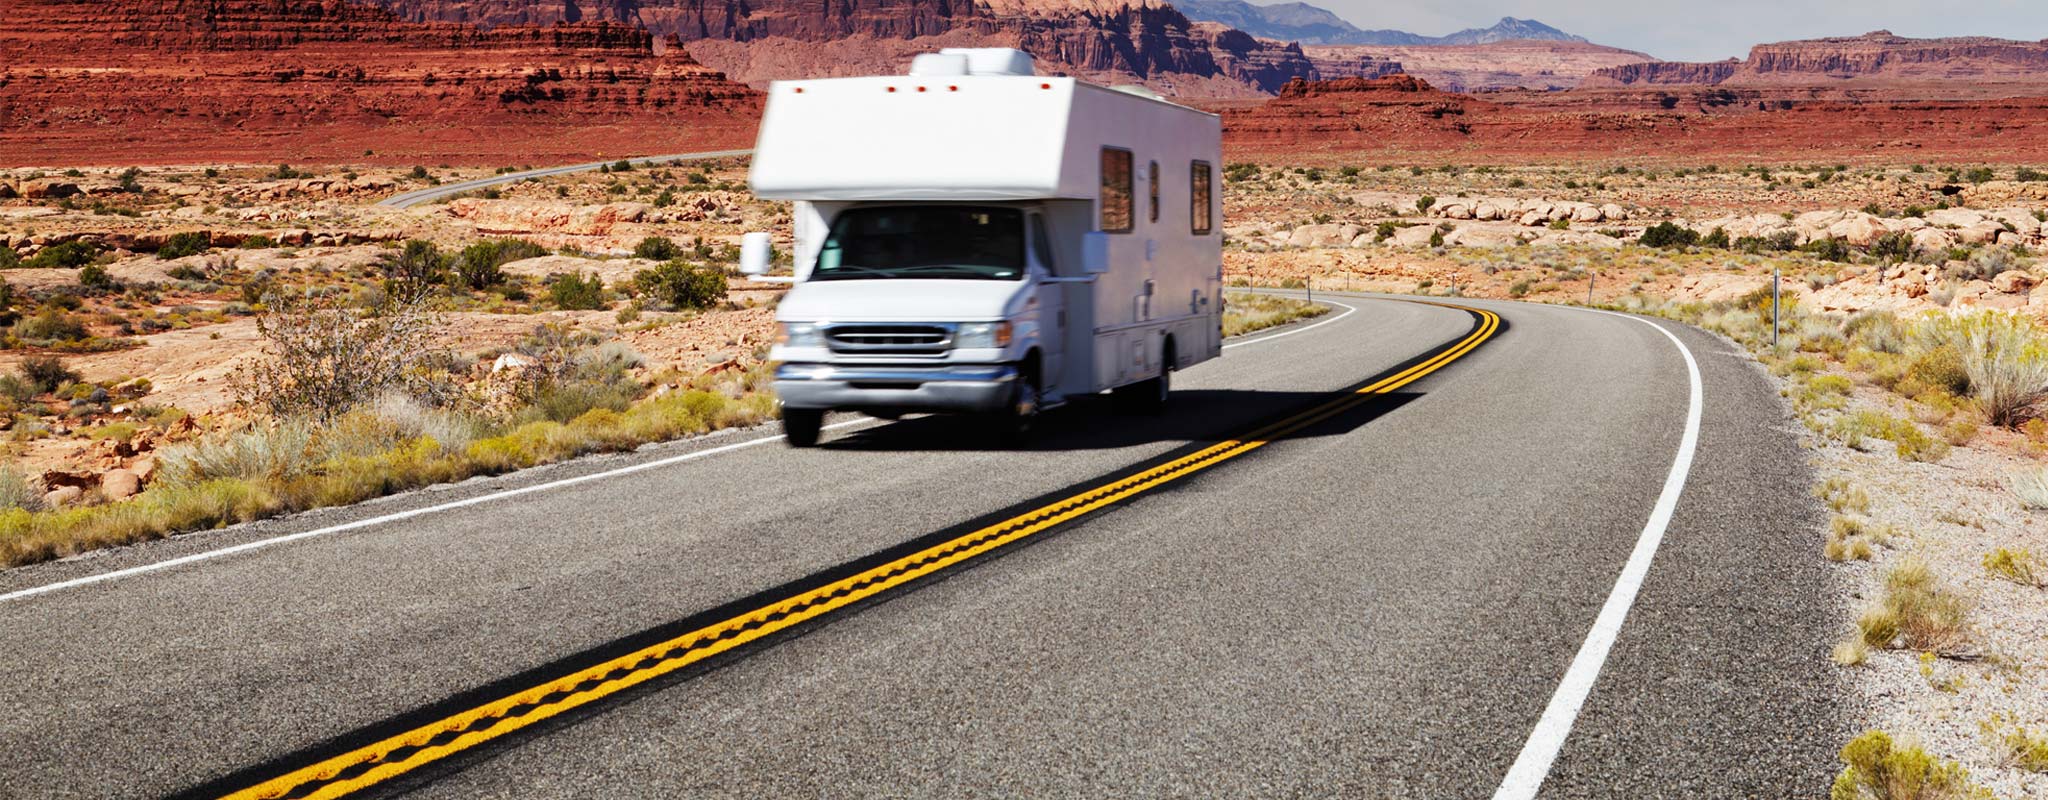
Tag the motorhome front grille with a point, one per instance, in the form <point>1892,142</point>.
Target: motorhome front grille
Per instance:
<point>890,339</point>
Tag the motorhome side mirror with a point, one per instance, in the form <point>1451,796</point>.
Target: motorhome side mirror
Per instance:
<point>756,251</point>
<point>1095,253</point>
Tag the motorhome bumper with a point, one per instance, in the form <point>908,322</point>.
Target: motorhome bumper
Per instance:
<point>899,389</point>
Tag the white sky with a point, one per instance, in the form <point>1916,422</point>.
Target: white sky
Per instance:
<point>1707,31</point>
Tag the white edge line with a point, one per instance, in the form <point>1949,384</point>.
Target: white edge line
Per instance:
<point>538,487</point>
<point>1532,766</point>
<point>393,517</point>
<point>1304,329</point>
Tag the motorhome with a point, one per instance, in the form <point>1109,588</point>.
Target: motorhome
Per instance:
<point>973,237</point>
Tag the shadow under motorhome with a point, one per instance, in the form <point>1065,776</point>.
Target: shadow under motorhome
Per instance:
<point>975,238</point>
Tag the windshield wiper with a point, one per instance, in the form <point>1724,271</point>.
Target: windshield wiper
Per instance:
<point>845,268</point>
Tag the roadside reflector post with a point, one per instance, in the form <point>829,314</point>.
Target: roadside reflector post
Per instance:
<point>1591,275</point>
<point>1775,273</point>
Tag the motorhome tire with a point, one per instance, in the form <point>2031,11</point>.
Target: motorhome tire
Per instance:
<point>1021,418</point>
<point>802,426</point>
<point>1149,396</point>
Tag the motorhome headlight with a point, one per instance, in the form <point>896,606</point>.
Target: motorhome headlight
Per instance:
<point>982,335</point>
<point>801,334</point>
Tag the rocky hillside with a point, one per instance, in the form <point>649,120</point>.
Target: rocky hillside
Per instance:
<point>1873,58</point>
<point>1307,24</point>
<point>134,81</point>
<point>1109,41</point>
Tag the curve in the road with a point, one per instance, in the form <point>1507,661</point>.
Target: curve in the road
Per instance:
<point>388,757</point>
<point>428,195</point>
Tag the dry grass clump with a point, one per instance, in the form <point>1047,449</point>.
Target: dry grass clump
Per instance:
<point>1909,441</point>
<point>16,491</point>
<point>1916,612</point>
<point>1855,539</point>
<point>2030,485</point>
<point>2004,357</point>
<point>1843,497</point>
<point>1244,312</point>
<point>2017,746</point>
<point>1876,768</point>
<point>2018,566</point>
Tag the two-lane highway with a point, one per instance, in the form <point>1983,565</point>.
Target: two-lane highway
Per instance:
<point>1380,599</point>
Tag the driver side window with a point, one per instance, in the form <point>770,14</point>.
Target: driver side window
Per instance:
<point>1041,245</point>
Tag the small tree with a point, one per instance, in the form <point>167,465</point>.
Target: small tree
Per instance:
<point>93,276</point>
<point>46,373</point>
<point>578,292</point>
<point>322,358</point>
<point>479,266</point>
<point>185,243</point>
<point>657,248</point>
<point>1669,236</point>
<point>678,284</point>
<point>416,265</point>
<point>1892,247</point>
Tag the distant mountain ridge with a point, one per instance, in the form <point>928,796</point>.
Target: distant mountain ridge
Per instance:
<point>1307,24</point>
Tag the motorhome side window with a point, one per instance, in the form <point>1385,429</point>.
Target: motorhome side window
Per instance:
<point>1116,191</point>
<point>1198,206</point>
<point>1152,175</point>
<point>923,241</point>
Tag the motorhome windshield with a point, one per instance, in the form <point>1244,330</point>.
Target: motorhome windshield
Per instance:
<point>940,241</point>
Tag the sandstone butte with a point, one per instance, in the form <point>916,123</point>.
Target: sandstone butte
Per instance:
<point>755,41</point>
<point>1872,61</point>
<point>1401,119</point>
<point>193,81</point>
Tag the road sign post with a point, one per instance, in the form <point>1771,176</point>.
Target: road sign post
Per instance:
<point>1774,307</point>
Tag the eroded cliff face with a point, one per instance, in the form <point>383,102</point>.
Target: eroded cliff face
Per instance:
<point>143,80</point>
<point>1877,58</point>
<point>1113,41</point>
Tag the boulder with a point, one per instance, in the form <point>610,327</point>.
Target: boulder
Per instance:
<point>1363,239</point>
<point>116,484</point>
<point>1476,236</point>
<point>1533,219</point>
<point>2015,281</point>
<point>48,188</point>
<point>1861,230</point>
<point>1576,238</point>
<point>1457,211</point>
<point>1414,237</point>
<point>1325,235</point>
<point>1586,213</point>
<point>1984,232</point>
<point>62,496</point>
<point>1613,212</point>
<point>1933,240</point>
<point>1953,217</point>
<point>1486,212</point>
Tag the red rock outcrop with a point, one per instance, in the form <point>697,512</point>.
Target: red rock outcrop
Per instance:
<point>1404,120</point>
<point>1878,57</point>
<point>131,81</point>
<point>1110,41</point>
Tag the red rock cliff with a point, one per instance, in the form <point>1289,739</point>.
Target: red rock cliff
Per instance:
<point>1872,57</point>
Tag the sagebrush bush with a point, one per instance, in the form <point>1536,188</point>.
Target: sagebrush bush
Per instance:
<point>479,266</point>
<point>681,285</point>
<point>186,243</point>
<point>46,373</point>
<point>657,248</point>
<point>2003,357</point>
<point>2018,566</point>
<point>69,255</point>
<point>2030,485</point>
<point>414,266</point>
<point>255,453</point>
<point>321,359</point>
<point>16,490</point>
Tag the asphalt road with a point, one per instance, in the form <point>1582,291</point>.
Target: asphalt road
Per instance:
<point>1378,605</point>
<point>431,194</point>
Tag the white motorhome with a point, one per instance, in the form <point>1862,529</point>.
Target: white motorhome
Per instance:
<point>972,237</point>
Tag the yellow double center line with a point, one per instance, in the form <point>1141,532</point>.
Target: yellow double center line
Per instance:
<point>396,755</point>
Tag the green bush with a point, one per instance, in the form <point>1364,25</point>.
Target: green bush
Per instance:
<point>1999,358</point>
<point>577,292</point>
<point>1893,247</point>
<point>69,255</point>
<point>1669,236</point>
<point>478,267</point>
<point>1716,238</point>
<point>1877,769</point>
<point>417,264</point>
<point>93,276</point>
<point>258,242</point>
<point>8,258</point>
<point>50,325</point>
<point>186,243</point>
<point>657,248</point>
<point>678,284</point>
<point>1780,242</point>
<point>1829,249</point>
<point>1423,203</point>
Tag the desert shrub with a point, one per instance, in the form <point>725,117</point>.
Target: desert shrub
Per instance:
<point>1916,612</point>
<point>285,172</point>
<point>1878,331</point>
<point>622,166</point>
<point>8,258</point>
<point>1842,497</point>
<point>2030,485</point>
<point>16,491</point>
<point>254,453</point>
<point>1436,238</point>
<point>93,276</point>
<point>576,292</point>
<point>69,255</point>
<point>46,373</point>
<point>2018,566</point>
<point>1892,247</point>
<point>1828,249</point>
<point>479,265</point>
<point>50,325</point>
<point>1937,367</point>
<point>657,248</point>
<point>414,266</point>
<point>1876,768</point>
<point>1716,238</point>
<point>2003,356</point>
<point>1423,203</point>
<point>1780,242</point>
<point>678,284</point>
<point>1669,236</point>
<point>185,243</point>
<point>322,359</point>
<point>257,242</point>
<point>1979,175</point>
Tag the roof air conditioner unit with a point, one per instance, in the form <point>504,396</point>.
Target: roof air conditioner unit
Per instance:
<point>993,60</point>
